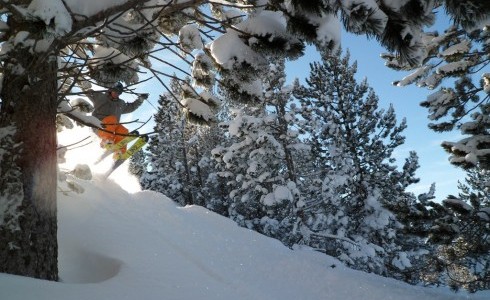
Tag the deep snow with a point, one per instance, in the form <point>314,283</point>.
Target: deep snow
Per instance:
<point>120,244</point>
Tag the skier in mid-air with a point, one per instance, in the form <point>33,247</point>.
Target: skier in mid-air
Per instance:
<point>108,108</point>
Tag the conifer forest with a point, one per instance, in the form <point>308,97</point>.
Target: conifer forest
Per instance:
<point>307,162</point>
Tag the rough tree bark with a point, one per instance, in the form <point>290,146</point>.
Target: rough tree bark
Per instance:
<point>29,100</point>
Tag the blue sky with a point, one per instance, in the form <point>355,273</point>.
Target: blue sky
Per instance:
<point>434,165</point>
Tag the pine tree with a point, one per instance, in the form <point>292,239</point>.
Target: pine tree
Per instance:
<point>456,234</point>
<point>468,14</point>
<point>166,173</point>
<point>258,162</point>
<point>397,25</point>
<point>460,235</point>
<point>210,188</point>
<point>416,214</point>
<point>137,164</point>
<point>177,152</point>
<point>454,63</point>
<point>352,216</point>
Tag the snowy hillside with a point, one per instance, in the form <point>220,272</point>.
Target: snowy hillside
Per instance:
<point>115,244</point>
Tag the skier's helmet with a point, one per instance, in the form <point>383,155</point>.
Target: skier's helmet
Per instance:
<point>118,87</point>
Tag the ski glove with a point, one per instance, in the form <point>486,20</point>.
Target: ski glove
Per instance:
<point>141,98</point>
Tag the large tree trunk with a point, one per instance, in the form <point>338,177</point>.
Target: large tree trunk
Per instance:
<point>29,96</point>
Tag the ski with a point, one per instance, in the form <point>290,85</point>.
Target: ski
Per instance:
<point>121,158</point>
<point>111,148</point>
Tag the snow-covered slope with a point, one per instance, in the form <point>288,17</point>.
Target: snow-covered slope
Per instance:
<point>117,242</point>
<point>118,245</point>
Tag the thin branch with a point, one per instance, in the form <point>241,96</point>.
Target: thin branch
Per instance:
<point>170,8</point>
<point>73,143</point>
